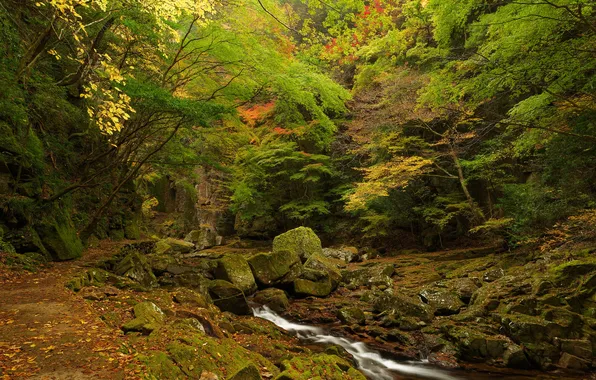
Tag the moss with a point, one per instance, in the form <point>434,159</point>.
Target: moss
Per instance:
<point>235,269</point>
<point>249,372</point>
<point>148,317</point>
<point>328,367</point>
<point>60,238</point>
<point>319,262</point>
<point>160,366</point>
<point>305,288</point>
<point>271,268</point>
<point>301,241</point>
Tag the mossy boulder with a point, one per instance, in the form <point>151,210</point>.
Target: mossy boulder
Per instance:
<point>94,277</point>
<point>322,366</point>
<point>160,366</point>
<point>228,297</point>
<point>190,297</point>
<point>273,298</point>
<point>235,269</point>
<point>160,263</point>
<point>473,345</point>
<point>443,302</point>
<point>180,246</point>
<point>351,316</point>
<point>321,263</point>
<point>463,287</point>
<point>60,238</point>
<point>276,267</point>
<point>202,238</point>
<point>401,305</point>
<point>301,241</point>
<point>136,267</point>
<point>375,275</point>
<point>319,288</point>
<point>249,372</point>
<point>148,317</point>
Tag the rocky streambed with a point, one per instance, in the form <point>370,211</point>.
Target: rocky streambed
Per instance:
<point>477,313</point>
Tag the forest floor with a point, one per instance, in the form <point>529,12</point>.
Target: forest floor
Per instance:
<point>47,332</point>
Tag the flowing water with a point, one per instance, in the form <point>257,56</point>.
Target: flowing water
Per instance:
<point>369,361</point>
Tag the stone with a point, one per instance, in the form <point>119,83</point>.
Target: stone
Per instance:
<point>249,372</point>
<point>228,297</point>
<point>190,297</point>
<point>514,357</point>
<point>306,288</point>
<point>443,302</point>
<point>276,267</point>
<point>463,287</point>
<point>148,317</point>
<point>403,306</point>
<point>376,275</point>
<point>136,267</point>
<point>301,241</point>
<point>160,262</point>
<point>321,263</point>
<point>162,248</point>
<point>180,246</point>
<point>59,237</point>
<point>493,275</point>
<point>345,254</point>
<point>321,366</point>
<point>186,324</point>
<point>235,269</point>
<point>206,375</point>
<point>569,361</point>
<point>473,344</point>
<point>351,316</point>
<point>576,347</point>
<point>92,294</point>
<point>273,298</point>
<point>203,238</point>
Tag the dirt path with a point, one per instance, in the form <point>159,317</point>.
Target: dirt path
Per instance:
<point>47,332</point>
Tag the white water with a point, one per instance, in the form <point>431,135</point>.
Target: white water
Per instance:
<point>369,361</point>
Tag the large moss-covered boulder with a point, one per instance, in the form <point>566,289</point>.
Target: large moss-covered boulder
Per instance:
<point>301,241</point>
<point>320,366</point>
<point>136,267</point>
<point>403,306</point>
<point>228,297</point>
<point>202,238</point>
<point>160,263</point>
<point>321,263</point>
<point>273,298</point>
<point>443,302</point>
<point>190,297</point>
<point>351,315</point>
<point>317,288</point>
<point>276,267</point>
<point>235,269</point>
<point>60,238</point>
<point>249,372</point>
<point>472,344</point>
<point>180,246</point>
<point>148,317</point>
<point>376,275</point>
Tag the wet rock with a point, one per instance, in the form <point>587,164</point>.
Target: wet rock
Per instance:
<point>514,357</point>
<point>235,269</point>
<point>228,297</point>
<point>473,344</point>
<point>493,274</point>
<point>249,372</point>
<point>569,272</point>
<point>542,355</point>
<point>159,263</point>
<point>202,238</point>
<point>136,267</point>
<point>526,329</point>
<point>463,287</point>
<point>148,317</point>
<point>321,263</point>
<point>301,241</point>
<point>403,306</point>
<point>190,297</point>
<point>569,361</point>
<point>345,254</point>
<point>351,316</point>
<point>277,267</point>
<point>320,366</point>
<point>273,298</point>
<point>576,347</point>
<point>176,269</point>
<point>442,301</point>
<point>443,360</point>
<point>525,305</point>
<point>376,275</point>
<point>320,288</point>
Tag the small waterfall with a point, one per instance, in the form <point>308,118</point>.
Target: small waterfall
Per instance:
<point>369,361</point>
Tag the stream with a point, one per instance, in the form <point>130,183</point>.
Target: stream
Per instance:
<point>369,362</point>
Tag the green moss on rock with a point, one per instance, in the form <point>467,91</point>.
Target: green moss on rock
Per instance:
<point>328,367</point>
<point>60,238</point>
<point>148,317</point>
<point>272,268</point>
<point>301,241</point>
<point>235,269</point>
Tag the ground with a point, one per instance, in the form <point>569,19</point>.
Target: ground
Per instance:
<point>47,332</point>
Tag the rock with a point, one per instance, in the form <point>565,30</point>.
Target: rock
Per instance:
<point>402,306</point>
<point>148,317</point>
<point>542,355</point>
<point>301,241</point>
<point>273,298</point>
<point>526,329</point>
<point>160,262</point>
<point>351,316</point>
<point>250,372</point>
<point>346,254</point>
<point>179,246</point>
<point>59,237</point>
<point>260,227</point>
<point>235,269</point>
<point>463,287</point>
<point>228,297</point>
<point>514,357</point>
<point>136,267</point>
<point>92,294</point>
<point>376,275</point>
<point>493,275</point>
<point>203,238</point>
<point>305,288</point>
<point>321,366</point>
<point>473,344</point>
<point>567,273</point>
<point>443,360</point>
<point>569,361</point>
<point>576,347</point>
<point>186,296</point>
<point>187,324</point>
<point>272,268</point>
<point>176,269</point>
<point>442,301</point>
<point>162,248</point>
<point>206,375</point>
<point>321,263</point>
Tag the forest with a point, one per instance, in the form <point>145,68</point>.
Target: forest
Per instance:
<point>417,175</point>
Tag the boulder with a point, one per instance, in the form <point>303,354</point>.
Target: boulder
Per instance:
<point>463,287</point>
<point>228,297</point>
<point>514,357</point>
<point>402,305</point>
<point>136,267</point>
<point>160,263</point>
<point>493,274</point>
<point>273,298</point>
<point>443,302</point>
<point>569,361</point>
<point>277,267</point>
<point>162,248</point>
<point>345,254</point>
<point>235,269</point>
<point>301,241</point>
<point>59,237</point>
<point>321,366</point>
<point>351,316</point>
<point>205,237</point>
<point>189,324</point>
<point>321,263</point>
<point>305,288</point>
<point>472,344</point>
<point>249,372</point>
<point>148,317</point>
<point>576,347</point>
<point>376,275</point>
<point>190,297</point>
<point>179,246</point>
